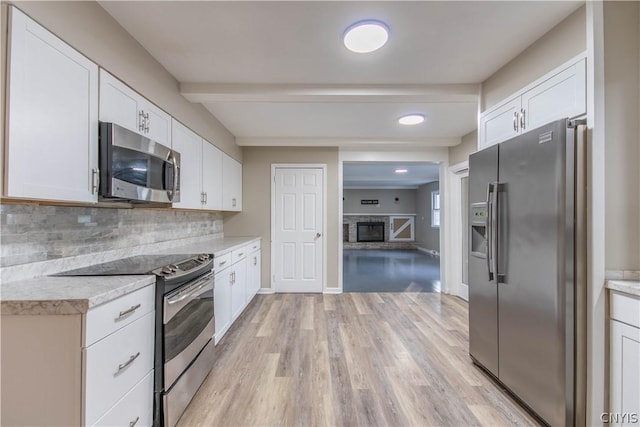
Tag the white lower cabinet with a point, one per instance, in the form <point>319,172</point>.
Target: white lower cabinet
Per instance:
<point>222,303</point>
<point>235,284</point>
<point>624,405</point>
<point>134,409</point>
<point>115,364</point>
<point>254,264</point>
<point>239,288</point>
<point>60,374</point>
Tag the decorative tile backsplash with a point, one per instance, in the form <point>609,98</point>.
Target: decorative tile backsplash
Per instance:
<point>30,233</point>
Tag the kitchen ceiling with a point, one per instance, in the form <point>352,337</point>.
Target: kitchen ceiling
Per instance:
<point>382,174</point>
<point>277,73</point>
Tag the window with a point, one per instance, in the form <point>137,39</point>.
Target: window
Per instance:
<point>435,209</point>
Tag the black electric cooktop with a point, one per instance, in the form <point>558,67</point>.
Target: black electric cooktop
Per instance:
<point>141,264</point>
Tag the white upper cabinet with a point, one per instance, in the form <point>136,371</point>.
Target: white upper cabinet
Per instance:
<point>557,95</point>
<point>52,135</point>
<point>189,145</point>
<point>122,105</point>
<point>211,176</point>
<point>563,95</point>
<point>500,124</point>
<point>231,184</point>
<point>200,170</point>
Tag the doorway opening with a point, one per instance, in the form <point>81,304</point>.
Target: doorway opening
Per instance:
<point>391,220</point>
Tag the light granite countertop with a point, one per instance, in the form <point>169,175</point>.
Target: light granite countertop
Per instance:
<point>630,287</point>
<point>47,295</point>
<point>66,295</point>
<point>217,247</point>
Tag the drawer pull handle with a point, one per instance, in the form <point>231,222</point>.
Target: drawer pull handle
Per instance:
<point>223,262</point>
<point>134,422</point>
<point>128,311</point>
<point>240,254</point>
<point>128,362</point>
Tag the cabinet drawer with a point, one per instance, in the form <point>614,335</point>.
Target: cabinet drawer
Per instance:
<point>238,254</point>
<point>625,308</point>
<point>115,364</point>
<point>254,246</point>
<point>221,262</point>
<point>135,408</point>
<point>108,318</point>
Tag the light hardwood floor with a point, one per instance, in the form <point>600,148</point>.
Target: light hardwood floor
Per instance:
<point>359,359</point>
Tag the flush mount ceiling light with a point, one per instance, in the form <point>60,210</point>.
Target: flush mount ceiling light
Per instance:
<point>411,119</point>
<point>401,171</point>
<point>366,36</point>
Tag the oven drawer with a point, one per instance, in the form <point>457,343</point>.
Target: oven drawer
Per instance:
<point>135,408</point>
<point>221,262</point>
<point>115,364</point>
<point>253,246</point>
<point>238,254</point>
<point>108,318</point>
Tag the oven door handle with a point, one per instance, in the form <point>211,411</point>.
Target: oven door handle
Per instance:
<point>174,304</point>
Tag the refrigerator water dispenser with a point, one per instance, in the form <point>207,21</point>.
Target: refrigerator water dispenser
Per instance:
<point>479,230</point>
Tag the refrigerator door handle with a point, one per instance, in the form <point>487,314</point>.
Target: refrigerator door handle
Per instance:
<point>495,227</point>
<point>489,230</point>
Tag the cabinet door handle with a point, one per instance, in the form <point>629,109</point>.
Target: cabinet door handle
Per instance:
<point>128,362</point>
<point>141,121</point>
<point>255,260</point>
<point>147,122</point>
<point>206,197</point>
<point>233,202</point>
<point>515,121</point>
<point>95,180</point>
<point>523,118</point>
<point>128,311</point>
<point>134,422</point>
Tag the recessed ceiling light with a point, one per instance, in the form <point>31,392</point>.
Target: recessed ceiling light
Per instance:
<point>366,36</point>
<point>401,171</point>
<point>411,119</point>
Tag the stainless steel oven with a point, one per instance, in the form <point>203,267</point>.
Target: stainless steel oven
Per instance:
<point>184,324</point>
<point>187,328</point>
<point>136,168</point>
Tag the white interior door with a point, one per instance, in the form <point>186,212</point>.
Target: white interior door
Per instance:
<point>298,234</point>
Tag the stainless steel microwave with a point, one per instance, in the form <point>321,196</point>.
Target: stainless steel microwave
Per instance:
<point>135,168</point>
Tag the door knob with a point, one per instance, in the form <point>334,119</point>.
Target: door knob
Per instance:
<point>318,235</point>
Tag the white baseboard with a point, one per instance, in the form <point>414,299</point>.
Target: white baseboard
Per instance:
<point>266,291</point>
<point>429,251</point>
<point>332,291</point>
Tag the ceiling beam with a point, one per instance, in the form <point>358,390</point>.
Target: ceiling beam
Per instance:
<point>346,142</point>
<point>213,92</point>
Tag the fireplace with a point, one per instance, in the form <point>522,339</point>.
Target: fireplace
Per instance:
<point>370,231</point>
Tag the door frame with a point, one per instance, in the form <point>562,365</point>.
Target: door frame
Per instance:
<point>438,155</point>
<point>323,167</point>
<point>456,173</point>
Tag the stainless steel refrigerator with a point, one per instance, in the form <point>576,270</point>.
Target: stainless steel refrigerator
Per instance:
<point>527,268</point>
